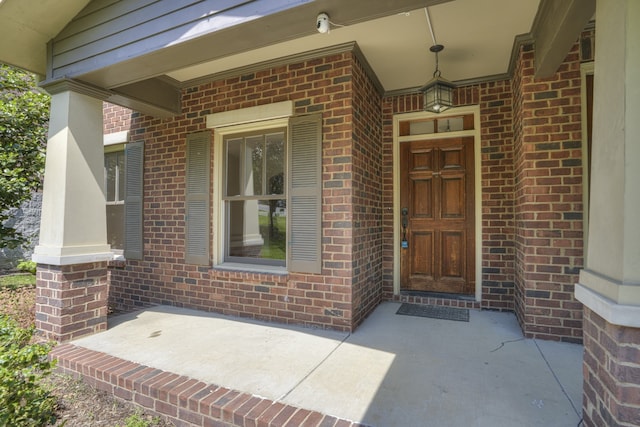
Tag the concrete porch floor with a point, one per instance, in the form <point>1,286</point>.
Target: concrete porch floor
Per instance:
<point>393,370</point>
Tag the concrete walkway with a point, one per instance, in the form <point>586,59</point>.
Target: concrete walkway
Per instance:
<point>393,371</point>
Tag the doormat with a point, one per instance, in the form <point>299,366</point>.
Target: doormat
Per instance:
<point>434,312</point>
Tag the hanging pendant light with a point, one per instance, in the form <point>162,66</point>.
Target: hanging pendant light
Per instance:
<point>438,93</point>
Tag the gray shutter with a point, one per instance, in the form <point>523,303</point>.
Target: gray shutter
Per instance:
<point>133,166</point>
<point>197,198</point>
<point>305,194</point>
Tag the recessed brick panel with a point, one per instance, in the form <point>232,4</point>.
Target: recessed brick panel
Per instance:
<point>548,198</point>
<point>350,285</point>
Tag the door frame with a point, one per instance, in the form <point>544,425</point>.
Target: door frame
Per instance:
<point>477,155</point>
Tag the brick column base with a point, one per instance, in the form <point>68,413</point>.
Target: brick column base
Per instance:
<point>611,373</point>
<point>71,300</point>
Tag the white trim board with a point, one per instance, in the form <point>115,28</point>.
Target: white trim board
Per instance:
<point>612,312</point>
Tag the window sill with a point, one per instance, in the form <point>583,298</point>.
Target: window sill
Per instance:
<point>251,268</point>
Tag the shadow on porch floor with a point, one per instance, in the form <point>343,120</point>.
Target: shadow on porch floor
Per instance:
<point>392,371</point>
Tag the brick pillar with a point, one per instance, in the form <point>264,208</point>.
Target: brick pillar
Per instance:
<point>611,373</point>
<point>71,300</point>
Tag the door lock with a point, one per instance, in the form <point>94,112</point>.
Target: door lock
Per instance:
<point>405,224</point>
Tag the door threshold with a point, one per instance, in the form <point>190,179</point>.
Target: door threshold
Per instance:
<point>440,295</point>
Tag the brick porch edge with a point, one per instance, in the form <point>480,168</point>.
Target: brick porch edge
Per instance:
<point>183,400</point>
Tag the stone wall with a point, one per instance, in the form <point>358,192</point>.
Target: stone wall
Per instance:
<point>25,219</point>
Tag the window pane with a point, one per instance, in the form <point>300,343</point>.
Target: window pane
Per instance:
<point>115,226</point>
<point>275,161</point>
<point>233,167</point>
<point>254,153</point>
<point>121,176</point>
<point>258,230</point>
<point>110,162</point>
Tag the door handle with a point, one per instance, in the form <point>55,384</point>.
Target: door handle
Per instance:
<point>405,217</point>
<point>405,224</point>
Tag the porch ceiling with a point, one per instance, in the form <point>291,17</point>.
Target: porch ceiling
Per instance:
<point>478,37</point>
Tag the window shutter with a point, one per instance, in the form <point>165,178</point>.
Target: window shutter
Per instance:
<point>305,194</point>
<point>197,198</point>
<point>133,180</point>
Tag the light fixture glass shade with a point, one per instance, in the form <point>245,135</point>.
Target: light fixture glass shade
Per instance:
<point>438,95</point>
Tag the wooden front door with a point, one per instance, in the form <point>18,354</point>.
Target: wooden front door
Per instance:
<point>437,215</point>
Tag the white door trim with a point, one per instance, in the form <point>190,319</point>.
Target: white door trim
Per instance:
<point>477,145</point>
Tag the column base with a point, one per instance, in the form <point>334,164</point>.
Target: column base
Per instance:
<point>71,255</point>
<point>71,300</point>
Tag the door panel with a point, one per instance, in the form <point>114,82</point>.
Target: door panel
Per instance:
<point>422,260</point>
<point>452,254</point>
<point>423,206</point>
<point>437,187</point>
<point>453,197</point>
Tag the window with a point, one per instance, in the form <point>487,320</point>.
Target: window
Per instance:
<point>123,166</point>
<point>114,192</point>
<point>255,198</point>
<point>267,191</point>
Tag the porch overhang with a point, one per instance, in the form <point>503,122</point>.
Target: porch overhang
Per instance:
<point>147,73</point>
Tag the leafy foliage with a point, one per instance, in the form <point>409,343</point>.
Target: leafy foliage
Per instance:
<point>27,266</point>
<point>24,401</point>
<point>24,115</point>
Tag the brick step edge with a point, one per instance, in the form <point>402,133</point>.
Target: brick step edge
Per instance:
<point>184,401</point>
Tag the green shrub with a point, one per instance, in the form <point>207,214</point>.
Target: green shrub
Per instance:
<point>24,401</point>
<point>27,266</point>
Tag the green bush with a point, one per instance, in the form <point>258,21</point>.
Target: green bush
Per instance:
<point>27,266</point>
<point>24,401</point>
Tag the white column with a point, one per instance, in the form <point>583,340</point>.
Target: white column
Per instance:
<point>73,225</point>
<point>610,283</point>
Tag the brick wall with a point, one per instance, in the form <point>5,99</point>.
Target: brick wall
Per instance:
<point>115,118</point>
<point>494,99</point>
<point>548,198</point>
<point>71,301</point>
<point>531,198</point>
<point>611,373</point>
<point>327,300</point>
<point>366,151</point>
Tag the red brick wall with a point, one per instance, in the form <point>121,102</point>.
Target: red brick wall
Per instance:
<point>320,85</point>
<point>366,152</point>
<point>520,176</point>
<point>115,118</point>
<point>611,373</point>
<point>548,198</point>
<point>494,99</point>
<point>71,300</point>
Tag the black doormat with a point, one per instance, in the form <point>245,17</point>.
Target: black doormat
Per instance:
<point>434,312</point>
